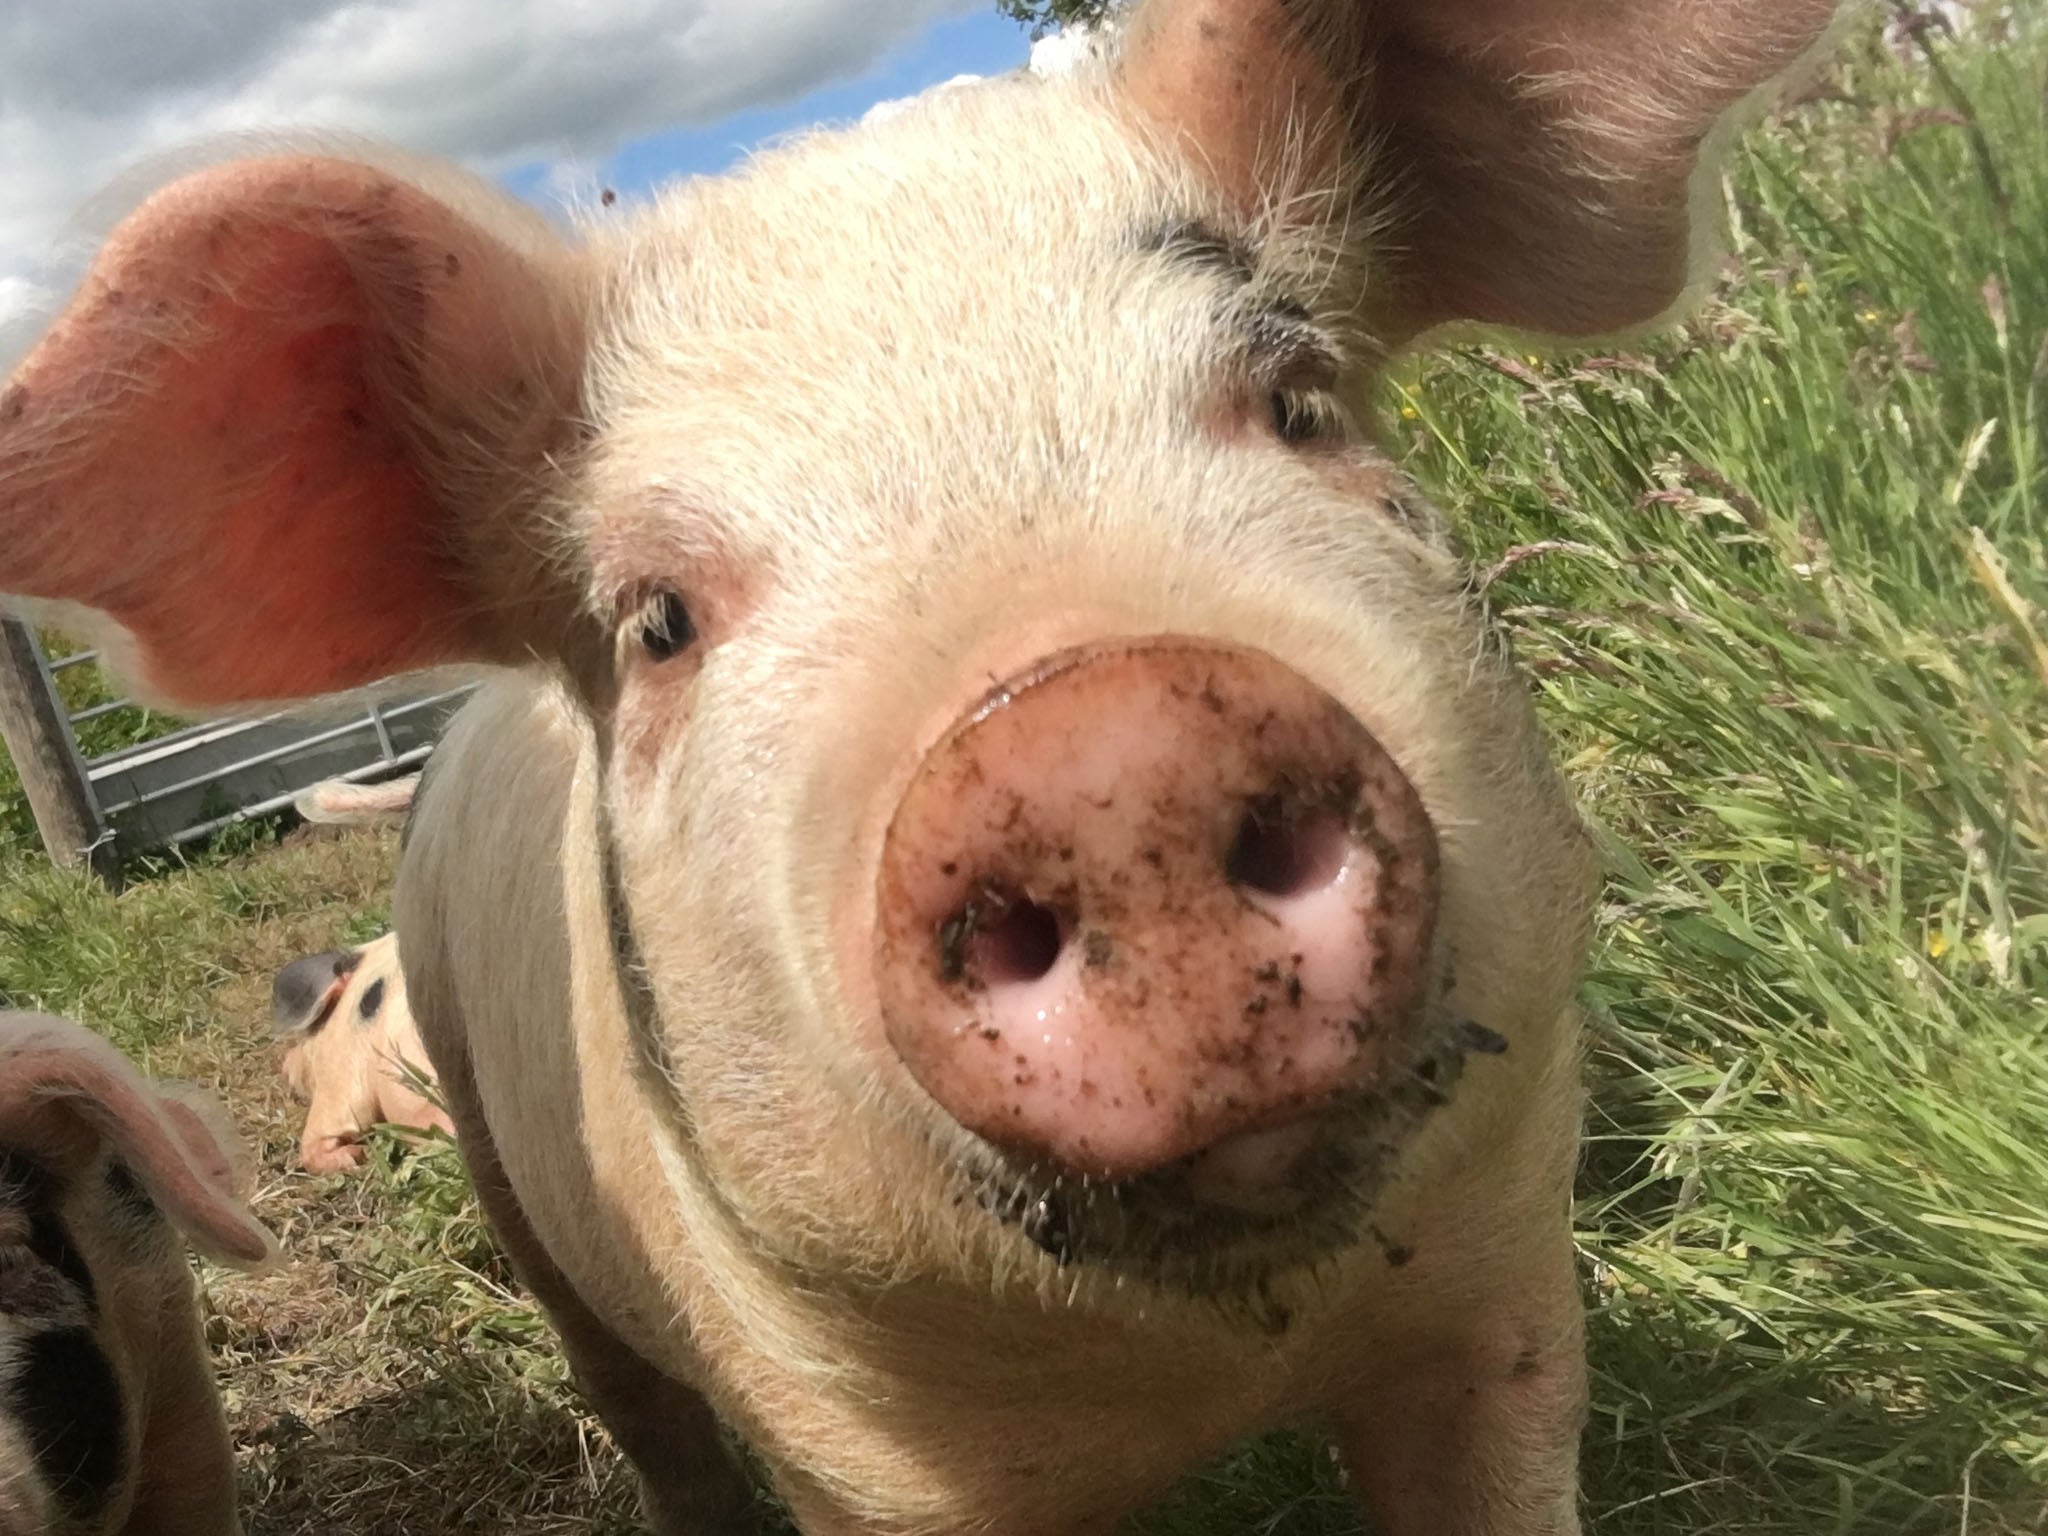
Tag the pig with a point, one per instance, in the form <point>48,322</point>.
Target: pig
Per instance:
<point>338,803</point>
<point>109,1418</point>
<point>1002,921</point>
<point>354,1054</point>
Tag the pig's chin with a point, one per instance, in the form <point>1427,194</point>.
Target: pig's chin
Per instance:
<point>1226,1222</point>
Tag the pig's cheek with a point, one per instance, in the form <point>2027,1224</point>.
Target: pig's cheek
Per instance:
<point>852,907</point>
<point>653,711</point>
<point>293,1069</point>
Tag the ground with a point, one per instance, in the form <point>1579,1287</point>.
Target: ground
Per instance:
<point>1779,576</point>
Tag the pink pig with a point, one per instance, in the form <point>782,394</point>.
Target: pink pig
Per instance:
<point>1003,924</point>
<point>354,1055</point>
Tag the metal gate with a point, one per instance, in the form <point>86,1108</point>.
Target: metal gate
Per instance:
<point>192,782</point>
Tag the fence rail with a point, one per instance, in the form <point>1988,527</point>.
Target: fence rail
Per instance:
<point>188,783</point>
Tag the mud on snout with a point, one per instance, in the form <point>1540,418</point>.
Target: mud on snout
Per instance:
<point>1157,928</point>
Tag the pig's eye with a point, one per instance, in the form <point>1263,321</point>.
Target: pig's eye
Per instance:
<point>666,629</point>
<point>1301,417</point>
<point>1297,370</point>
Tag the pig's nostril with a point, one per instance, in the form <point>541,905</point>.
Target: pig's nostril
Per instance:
<point>1283,851</point>
<point>1019,942</point>
<point>1022,945</point>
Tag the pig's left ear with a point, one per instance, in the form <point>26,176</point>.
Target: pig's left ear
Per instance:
<point>289,432</point>
<point>64,1091</point>
<point>1533,164</point>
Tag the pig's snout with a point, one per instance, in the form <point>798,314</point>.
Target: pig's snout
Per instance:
<point>1151,900</point>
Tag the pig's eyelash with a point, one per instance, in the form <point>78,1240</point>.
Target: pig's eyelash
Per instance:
<point>1297,371</point>
<point>1301,417</point>
<point>660,625</point>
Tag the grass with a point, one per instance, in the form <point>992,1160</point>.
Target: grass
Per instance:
<point>1781,577</point>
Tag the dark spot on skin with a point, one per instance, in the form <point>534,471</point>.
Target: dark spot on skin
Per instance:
<point>50,1242</point>
<point>1097,948</point>
<point>24,1181</point>
<point>27,1187</point>
<point>1270,971</point>
<point>14,403</point>
<point>1526,1364</point>
<point>1273,1317</point>
<point>1397,1254</point>
<point>66,1400</point>
<point>1256,1008</point>
<point>1478,1039</point>
<point>127,1191</point>
<point>452,264</point>
<point>372,1001</point>
<point>1294,990</point>
<point>950,868</point>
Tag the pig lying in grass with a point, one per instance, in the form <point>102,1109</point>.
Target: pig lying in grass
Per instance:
<point>109,1420</point>
<point>354,1053</point>
<point>338,803</point>
<point>1003,925</point>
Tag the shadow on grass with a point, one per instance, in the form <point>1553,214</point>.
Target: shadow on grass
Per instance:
<point>457,1454</point>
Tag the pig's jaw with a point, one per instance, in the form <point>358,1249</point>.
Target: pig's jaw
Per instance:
<point>1216,1225</point>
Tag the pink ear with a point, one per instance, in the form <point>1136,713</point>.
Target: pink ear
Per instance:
<point>63,1090</point>
<point>282,432</point>
<point>1527,163</point>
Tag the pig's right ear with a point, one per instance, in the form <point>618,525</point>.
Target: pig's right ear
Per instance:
<point>288,433</point>
<point>64,1091</point>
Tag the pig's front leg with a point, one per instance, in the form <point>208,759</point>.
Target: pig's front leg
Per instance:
<point>186,1464</point>
<point>332,1141</point>
<point>1481,1436</point>
<point>690,1485</point>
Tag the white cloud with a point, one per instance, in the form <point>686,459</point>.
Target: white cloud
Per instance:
<point>1057,53</point>
<point>1061,52</point>
<point>87,86</point>
<point>18,296</point>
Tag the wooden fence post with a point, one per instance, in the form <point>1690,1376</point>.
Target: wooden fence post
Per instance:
<point>38,738</point>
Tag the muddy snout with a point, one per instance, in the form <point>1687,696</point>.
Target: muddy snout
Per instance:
<point>1154,901</point>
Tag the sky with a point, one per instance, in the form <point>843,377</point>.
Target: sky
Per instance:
<point>553,98</point>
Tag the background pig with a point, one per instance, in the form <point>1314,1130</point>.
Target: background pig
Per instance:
<point>339,803</point>
<point>1005,926</point>
<point>355,1055</point>
<point>109,1420</point>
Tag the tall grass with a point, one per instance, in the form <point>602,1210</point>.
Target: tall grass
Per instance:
<point>1782,579</point>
